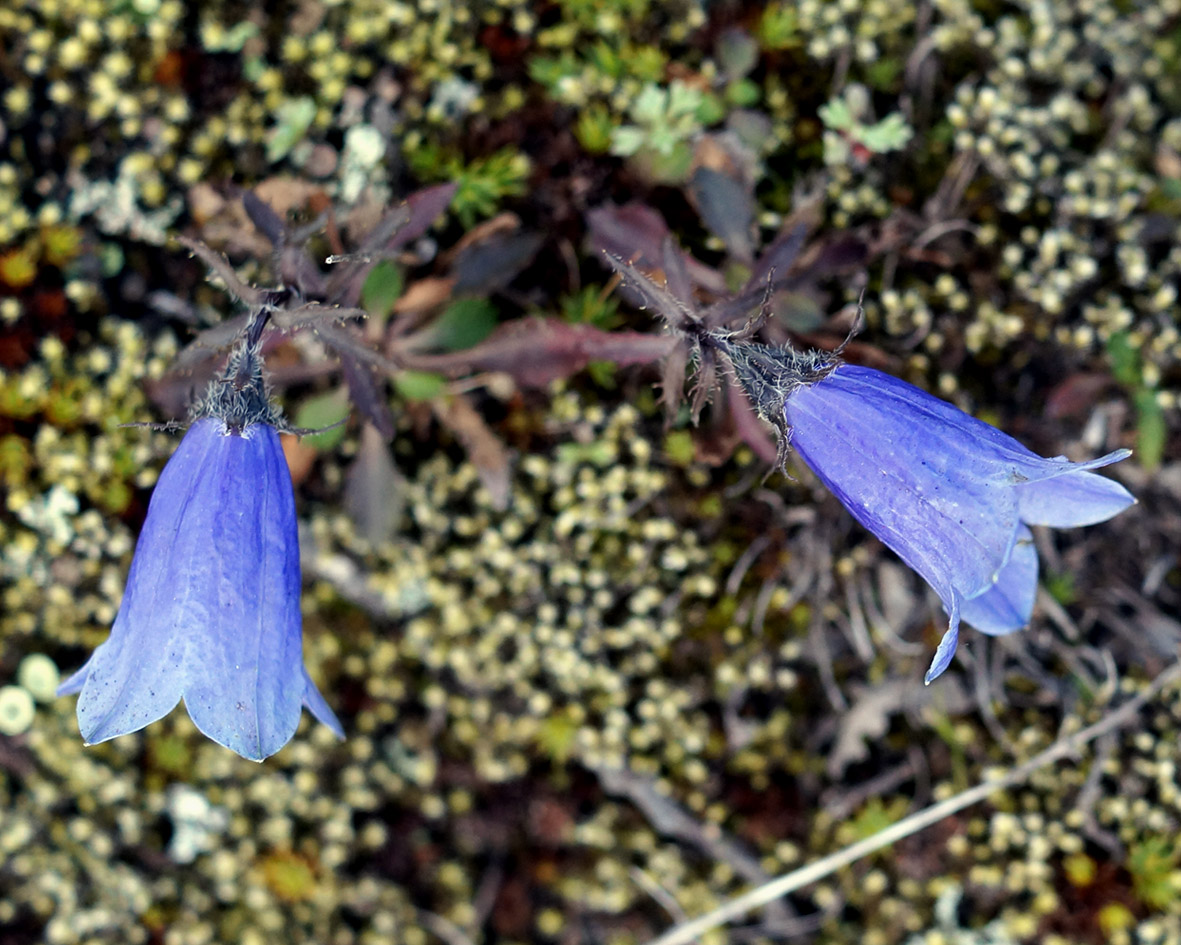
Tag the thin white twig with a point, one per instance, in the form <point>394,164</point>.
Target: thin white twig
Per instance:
<point>666,899</point>
<point>689,931</point>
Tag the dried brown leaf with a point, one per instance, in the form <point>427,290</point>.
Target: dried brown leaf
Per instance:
<point>424,295</point>
<point>487,452</point>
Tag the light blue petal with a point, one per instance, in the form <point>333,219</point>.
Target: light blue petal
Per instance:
<point>947,645</point>
<point>211,610</point>
<point>1007,605</point>
<point>138,674</point>
<point>945,491</point>
<point>314,703</point>
<point>1074,498</point>
<point>241,614</point>
<point>931,482</point>
<point>74,684</point>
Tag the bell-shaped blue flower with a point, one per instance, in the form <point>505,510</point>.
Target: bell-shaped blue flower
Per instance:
<point>951,495</point>
<point>211,611</point>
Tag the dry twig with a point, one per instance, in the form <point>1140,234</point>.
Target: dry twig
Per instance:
<point>770,892</point>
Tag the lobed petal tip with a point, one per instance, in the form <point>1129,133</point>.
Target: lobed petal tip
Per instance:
<point>315,703</point>
<point>943,654</point>
<point>72,685</point>
<point>102,732</point>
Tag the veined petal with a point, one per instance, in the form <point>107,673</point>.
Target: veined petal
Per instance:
<point>1008,604</point>
<point>137,675</point>
<point>1076,497</point>
<point>949,494</point>
<point>211,610</point>
<point>931,482</point>
<point>241,610</point>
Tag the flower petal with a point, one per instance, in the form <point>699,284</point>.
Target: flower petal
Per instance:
<point>211,610</point>
<point>1007,605</point>
<point>314,702</point>
<point>138,674</point>
<point>947,644</point>
<point>1003,608</point>
<point>931,482</point>
<point>242,618</point>
<point>946,492</point>
<point>1076,497</point>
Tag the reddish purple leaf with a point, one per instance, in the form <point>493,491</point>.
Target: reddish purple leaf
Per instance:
<point>750,428</point>
<point>727,209</point>
<point>484,448</point>
<point>368,394</point>
<point>403,224</point>
<point>373,490</point>
<point>536,351</point>
<point>1076,395</point>
<point>490,265</point>
<point>636,233</point>
<point>263,217</point>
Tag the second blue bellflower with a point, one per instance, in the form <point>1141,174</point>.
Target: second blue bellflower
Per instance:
<point>951,495</point>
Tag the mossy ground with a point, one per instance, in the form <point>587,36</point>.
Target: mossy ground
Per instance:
<point>651,678</point>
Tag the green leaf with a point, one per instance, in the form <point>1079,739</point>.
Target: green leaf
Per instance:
<point>650,105</point>
<point>1150,429</point>
<point>593,129</point>
<point>890,134</point>
<point>626,140</point>
<point>231,40</point>
<point>320,411</point>
<point>777,26</point>
<point>556,737</point>
<point>876,816</point>
<point>484,183</point>
<point>553,71</point>
<point>419,385</point>
<point>671,168</point>
<point>683,99</point>
<point>596,453</point>
<point>1061,587</point>
<point>465,322</point>
<point>382,288</point>
<point>744,93</point>
<point>679,448</point>
<point>602,373</point>
<point>837,115</point>
<point>710,110</point>
<point>1125,362</point>
<point>883,73</point>
<point>589,307</point>
<point>111,259</point>
<point>1152,864</point>
<point>294,119</point>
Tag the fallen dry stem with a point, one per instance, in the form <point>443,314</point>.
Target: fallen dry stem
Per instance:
<point>687,932</point>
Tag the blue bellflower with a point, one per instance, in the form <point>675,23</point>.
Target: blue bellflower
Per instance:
<point>949,494</point>
<point>211,611</point>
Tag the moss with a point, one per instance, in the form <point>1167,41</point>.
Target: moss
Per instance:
<point>489,662</point>
<point>289,876</point>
